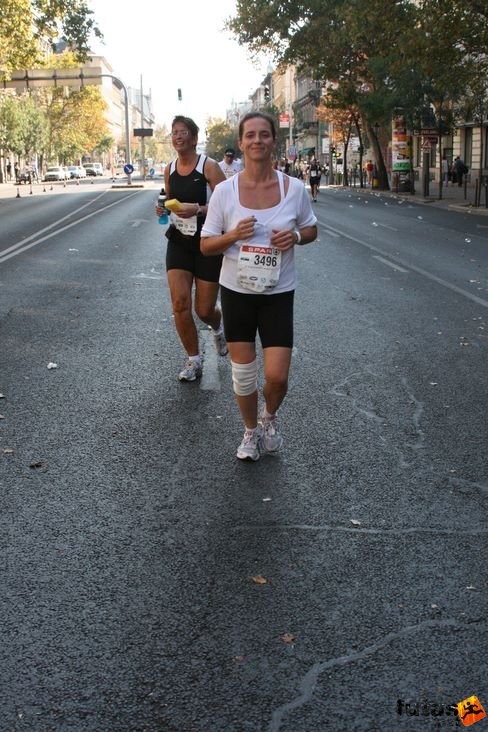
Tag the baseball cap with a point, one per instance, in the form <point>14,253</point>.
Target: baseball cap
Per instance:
<point>230,151</point>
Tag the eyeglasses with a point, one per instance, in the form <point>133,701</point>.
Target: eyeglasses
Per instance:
<point>180,133</point>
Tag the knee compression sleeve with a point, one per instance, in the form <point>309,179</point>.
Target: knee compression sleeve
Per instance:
<point>245,378</point>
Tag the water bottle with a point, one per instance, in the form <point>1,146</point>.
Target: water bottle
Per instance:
<point>163,219</point>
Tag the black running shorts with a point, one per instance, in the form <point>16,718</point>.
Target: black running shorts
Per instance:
<point>245,315</point>
<point>185,254</point>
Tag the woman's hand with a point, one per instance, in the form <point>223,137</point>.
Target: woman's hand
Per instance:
<point>284,239</point>
<point>245,228</point>
<point>187,210</point>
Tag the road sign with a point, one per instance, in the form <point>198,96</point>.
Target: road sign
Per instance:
<point>128,168</point>
<point>143,132</point>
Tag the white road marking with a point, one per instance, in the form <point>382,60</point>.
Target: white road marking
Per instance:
<point>390,264</point>
<point>413,268</point>
<point>210,380</point>
<point>22,246</point>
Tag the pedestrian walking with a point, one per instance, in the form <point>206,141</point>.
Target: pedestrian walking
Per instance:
<point>445,171</point>
<point>256,219</point>
<point>190,179</point>
<point>460,169</point>
<point>229,165</point>
<point>369,172</point>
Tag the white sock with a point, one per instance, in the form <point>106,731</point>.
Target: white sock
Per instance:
<point>195,359</point>
<point>267,415</point>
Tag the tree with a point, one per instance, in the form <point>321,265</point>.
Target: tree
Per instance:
<point>26,22</point>
<point>159,146</point>
<point>76,123</point>
<point>220,135</point>
<point>346,42</point>
<point>33,128</point>
<point>378,54</point>
<point>10,125</point>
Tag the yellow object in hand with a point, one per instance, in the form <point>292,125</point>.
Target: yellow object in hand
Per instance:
<point>173,204</point>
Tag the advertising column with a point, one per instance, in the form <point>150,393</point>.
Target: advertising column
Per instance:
<point>400,155</point>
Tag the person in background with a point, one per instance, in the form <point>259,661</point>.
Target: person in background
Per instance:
<point>229,165</point>
<point>190,179</point>
<point>369,172</point>
<point>314,172</point>
<point>262,209</point>
<point>445,172</point>
<point>460,169</point>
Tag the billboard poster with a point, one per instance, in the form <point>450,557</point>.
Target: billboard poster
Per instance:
<point>400,147</point>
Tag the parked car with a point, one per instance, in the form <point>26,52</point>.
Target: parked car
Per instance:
<point>56,172</point>
<point>90,170</point>
<point>76,171</point>
<point>98,168</point>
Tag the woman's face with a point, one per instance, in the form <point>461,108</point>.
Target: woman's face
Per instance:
<point>257,142</point>
<point>181,137</point>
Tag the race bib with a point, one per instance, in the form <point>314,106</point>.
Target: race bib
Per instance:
<point>188,227</point>
<point>258,267</point>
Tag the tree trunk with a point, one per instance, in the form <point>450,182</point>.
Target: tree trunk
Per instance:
<point>381,172</point>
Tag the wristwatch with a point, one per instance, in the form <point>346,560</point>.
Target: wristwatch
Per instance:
<point>199,211</point>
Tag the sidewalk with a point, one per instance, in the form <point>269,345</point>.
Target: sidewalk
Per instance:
<point>453,197</point>
<point>13,190</point>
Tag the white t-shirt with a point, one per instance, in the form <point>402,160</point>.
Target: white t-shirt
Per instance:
<point>232,169</point>
<point>294,211</point>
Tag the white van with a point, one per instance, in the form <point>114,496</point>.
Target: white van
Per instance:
<point>97,167</point>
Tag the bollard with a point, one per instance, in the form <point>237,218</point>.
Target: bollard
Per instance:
<point>18,193</point>
<point>31,191</point>
<point>44,189</point>
<point>51,189</point>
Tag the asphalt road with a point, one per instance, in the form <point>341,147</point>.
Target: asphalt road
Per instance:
<point>151,582</point>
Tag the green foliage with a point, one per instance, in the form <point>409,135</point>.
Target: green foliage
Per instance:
<point>10,122</point>
<point>53,125</point>
<point>76,123</point>
<point>376,55</point>
<point>18,47</point>
<point>220,135</point>
<point>24,23</point>
<point>159,147</point>
<point>69,20</point>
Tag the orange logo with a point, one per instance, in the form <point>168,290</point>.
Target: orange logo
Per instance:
<point>470,711</point>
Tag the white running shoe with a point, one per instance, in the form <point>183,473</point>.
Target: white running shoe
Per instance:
<point>220,344</point>
<point>250,447</point>
<point>272,440</point>
<point>191,372</point>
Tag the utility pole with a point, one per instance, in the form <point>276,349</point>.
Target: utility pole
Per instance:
<point>143,151</point>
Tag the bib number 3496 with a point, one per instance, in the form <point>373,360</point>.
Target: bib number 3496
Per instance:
<point>258,267</point>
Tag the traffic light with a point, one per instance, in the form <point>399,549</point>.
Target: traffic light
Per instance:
<point>333,152</point>
<point>180,96</point>
<point>266,94</point>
